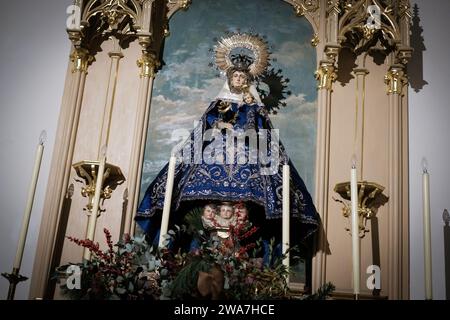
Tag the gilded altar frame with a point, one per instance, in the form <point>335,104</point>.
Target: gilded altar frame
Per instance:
<point>353,60</point>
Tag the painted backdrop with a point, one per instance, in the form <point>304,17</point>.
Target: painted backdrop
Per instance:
<point>187,83</point>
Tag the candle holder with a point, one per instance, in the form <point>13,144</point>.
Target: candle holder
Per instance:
<point>370,198</point>
<point>14,278</point>
<point>88,171</point>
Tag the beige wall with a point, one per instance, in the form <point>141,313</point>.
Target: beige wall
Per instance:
<point>119,145</point>
<point>375,169</point>
<point>429,137</point>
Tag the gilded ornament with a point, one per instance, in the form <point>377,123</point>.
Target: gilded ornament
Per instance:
<point>175,5</point>
<point>315,40</point>
<point>325,76</point>
<point>148,64</point>
<point>302,7</point>
<point>370,198</point>
<point>254,43</point>
<point>368,32</point>
<point>395,80</point>
<point>308,9</point>
<point>81,59</point>
<point>88,171</point>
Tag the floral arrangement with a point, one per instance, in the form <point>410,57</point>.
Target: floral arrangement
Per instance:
<point>213,268</point>
<point>127,272</point>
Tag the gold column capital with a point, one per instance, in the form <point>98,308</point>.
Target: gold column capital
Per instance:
<point>148,63</point>
<point>326,75</point>
<point>81,59</point>
<point>395,79</point>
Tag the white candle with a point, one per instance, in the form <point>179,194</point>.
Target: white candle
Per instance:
<point>355,231</point>
<point>30,200</point>
<point>167,199</point>
<point>427,235</point>
<point>286,213</point>
<point>92,221</point>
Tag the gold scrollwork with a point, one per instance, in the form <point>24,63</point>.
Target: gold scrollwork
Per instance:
<point>308,9</point>
<point>148,64</point>
<point>114,11</point>
<point>175,5</point>
<point>395,79</point>
<point>370,198</point>
<point>166,31</point>
<point>357,19</point>
<point>81,59</point>
<point>405,8</point>
<point>88,171</point>
<point>326,75</point>
<point>303,6</point>
<point>185,4</point>
<point>368,32</point>
<point>315,40</point>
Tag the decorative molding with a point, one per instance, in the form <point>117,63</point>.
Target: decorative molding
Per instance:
<point>126,20</point>
<point>354,28</point>
<point>405,9</point>
<point>332,51</point>
<point>395,79</point>
<point>88,171</point>
<point>370,198</point>
<point>81,60</point>
<point>326,75</point>
<point>114,12</point>
<point>175,5</point>
<point>148,64</point>
<point>309,9</point>
<point>315,40</point>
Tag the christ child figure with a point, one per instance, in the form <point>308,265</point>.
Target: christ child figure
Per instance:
<point>225,219</point>
<point>209,216</point>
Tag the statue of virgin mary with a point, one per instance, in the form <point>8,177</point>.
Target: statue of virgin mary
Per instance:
<point>233,155</point>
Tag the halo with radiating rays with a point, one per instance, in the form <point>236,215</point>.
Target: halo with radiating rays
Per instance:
<point>258,47</point>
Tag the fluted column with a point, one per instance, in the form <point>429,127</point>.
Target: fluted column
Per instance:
<point>115,54</point>
<point>61,167</point>
<point>395,80</point>
<point>332,21</point>
<point>325,76</point>
<point>147,65</point>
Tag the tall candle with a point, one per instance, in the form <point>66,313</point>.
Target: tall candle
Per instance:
<point>30,200</point>
<point>286,213</point>
<point>92,221</point>
<point>167,199</point>
<point>355,231</point>
<point>427,234</point>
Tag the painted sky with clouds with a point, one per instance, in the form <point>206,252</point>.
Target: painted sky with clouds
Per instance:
<point>186,85</point>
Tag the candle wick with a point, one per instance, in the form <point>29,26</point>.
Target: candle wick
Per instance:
<point>42,137</point>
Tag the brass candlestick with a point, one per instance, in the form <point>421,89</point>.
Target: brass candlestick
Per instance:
<point>14,278</point>
<point>88,170</point>
<point>370,198</point>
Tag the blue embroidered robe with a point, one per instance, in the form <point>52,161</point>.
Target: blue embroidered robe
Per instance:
<point>198,181</point>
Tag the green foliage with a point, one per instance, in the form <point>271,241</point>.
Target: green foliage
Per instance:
<point>134,270</point>
<point>129,272</point>
<point>194,221</point>
<point>323,293</point>
<point>185,283</point>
